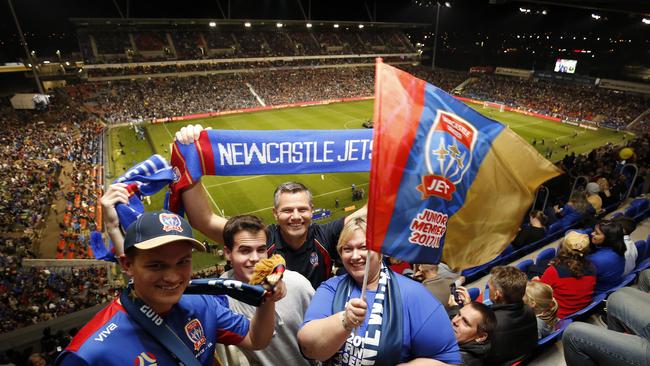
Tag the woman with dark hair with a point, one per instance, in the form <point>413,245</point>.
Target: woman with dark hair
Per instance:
<point>608,254</point>
<point>532,233</point>
<point>571,275</point>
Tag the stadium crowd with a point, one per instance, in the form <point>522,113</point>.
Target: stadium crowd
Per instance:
<point>30,295</point>
<point>559,100</point>
<point>231,42</point>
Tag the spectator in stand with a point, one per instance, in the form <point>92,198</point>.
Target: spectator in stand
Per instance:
<point>437,285</point>
<point>608,254</point>
<point>570,275</point>
<point>627,340</point>
<point>533,232</point>
<point>539,296</point>
<point>631,253</point>
<point>593,197</point>
<point>516,332</point>
<point>603,191</point>
<point>408,325</point>
<point>474,326</point>
<point>576,210</point>
<point>37,359</point>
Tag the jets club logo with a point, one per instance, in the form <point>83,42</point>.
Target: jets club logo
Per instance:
<point>194,331</point>
<point>170,222</point>
<point>448,155</point>
<point>145,359</point>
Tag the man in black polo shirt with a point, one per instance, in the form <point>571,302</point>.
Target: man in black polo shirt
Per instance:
<point>308,248</point>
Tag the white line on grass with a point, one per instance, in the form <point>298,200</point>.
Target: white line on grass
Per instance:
<point>213,201</point>
<point>318,195</point>
<point>234,181</point>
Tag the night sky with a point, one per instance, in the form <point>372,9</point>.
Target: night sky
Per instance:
<point>467,22</point>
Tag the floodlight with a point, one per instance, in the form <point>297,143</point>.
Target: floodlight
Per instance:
<point>212,24</point>
<point>247,24</point>
<point>308,25</point>
<point>544,12</point>
<point>360,26</point>
<point>46,62</point>
<point>447,4</point>
<point>279,25</point>
<point>336,25</point>
<point>595,16</point>
<point>645,20</point>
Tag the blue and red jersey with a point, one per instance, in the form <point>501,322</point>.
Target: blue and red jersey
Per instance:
<point>113,338</point>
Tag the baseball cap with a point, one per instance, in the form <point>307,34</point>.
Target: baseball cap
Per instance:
<point>153,229</point>
<point>576,242</point>
<point>593,188</point>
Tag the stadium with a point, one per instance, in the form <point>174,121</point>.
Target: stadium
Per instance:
<point>93,90</point>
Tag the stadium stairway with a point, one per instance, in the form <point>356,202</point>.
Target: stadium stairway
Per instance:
<point>552,354</point>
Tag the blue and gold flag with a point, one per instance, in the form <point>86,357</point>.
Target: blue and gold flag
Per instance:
<point>446,183</point>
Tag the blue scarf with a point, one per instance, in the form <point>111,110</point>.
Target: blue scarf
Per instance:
<point>144,179</point>
<point>385,322</point>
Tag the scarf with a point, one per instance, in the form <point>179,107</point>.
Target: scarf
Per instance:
<point>144,179</point>
<point>230,152</point>
<point>382,343</point>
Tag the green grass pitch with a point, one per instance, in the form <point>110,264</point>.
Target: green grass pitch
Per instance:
<point>254,194</point>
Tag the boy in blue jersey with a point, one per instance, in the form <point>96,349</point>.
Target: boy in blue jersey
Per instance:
<point>158,258</point>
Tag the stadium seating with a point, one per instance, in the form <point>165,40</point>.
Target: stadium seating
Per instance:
<point>559,329</point>
<point>545,255</point>
<point>524,265</point>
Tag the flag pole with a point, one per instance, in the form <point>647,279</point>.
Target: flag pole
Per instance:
<point>365,284</point>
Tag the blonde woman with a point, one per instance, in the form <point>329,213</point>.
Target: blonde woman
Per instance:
<point>408,324</point>
<point>539,296</point>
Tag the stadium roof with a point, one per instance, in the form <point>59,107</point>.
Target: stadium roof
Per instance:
<point>99,22</point>
<point>633,7</point>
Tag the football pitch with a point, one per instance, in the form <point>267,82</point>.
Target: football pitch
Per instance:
<point>253,194</point>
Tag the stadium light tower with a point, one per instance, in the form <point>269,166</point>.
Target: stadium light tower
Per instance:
<point>435,37</point>
<point>30,58</point>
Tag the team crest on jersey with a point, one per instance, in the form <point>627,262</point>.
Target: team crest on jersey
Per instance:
<point>170,222</point>
<point>194,331</point>
<point>176,173</point>
<point>145,359</point>
<point>448,155</point>
<point>313,259</point>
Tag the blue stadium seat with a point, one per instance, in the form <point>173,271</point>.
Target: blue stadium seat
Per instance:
<point>616,215</point>
<point>555,227</point>
<point>624,282</point>
<point>559,329</point>
<point>641,248</point>
<point>645,264</point>
<point>523,265</point>
<point>474,293</point>
<point>545,255</point>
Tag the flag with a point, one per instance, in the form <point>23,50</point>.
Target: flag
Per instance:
<point>446,183</point>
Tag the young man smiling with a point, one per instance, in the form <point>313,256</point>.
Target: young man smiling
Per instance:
<point>307,247</point>
<point>152,321</point>
<point>245,245</point>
